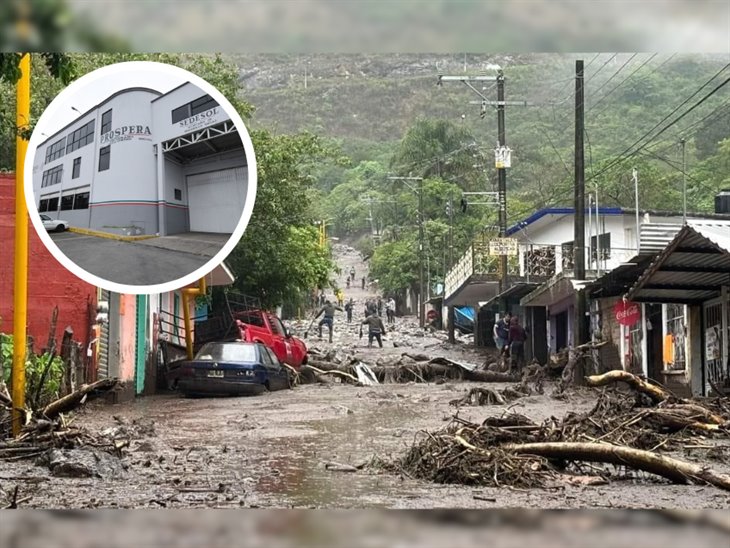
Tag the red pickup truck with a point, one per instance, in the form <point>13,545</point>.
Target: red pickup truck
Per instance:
<point>266,328</point>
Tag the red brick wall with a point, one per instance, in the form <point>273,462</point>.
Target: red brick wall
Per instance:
<point>49,283</point>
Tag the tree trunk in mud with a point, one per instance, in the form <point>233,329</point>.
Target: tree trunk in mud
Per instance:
<point>656,393</point>
<point>69,402</point>
<point>675,470</point>
<point>422,371</point>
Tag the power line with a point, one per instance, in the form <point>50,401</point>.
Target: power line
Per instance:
<point>623,156</point>
<point>622,82</point>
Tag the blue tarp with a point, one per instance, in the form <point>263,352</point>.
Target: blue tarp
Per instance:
<point>464,318</point>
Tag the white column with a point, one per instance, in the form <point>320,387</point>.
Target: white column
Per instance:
<point>161,220</point>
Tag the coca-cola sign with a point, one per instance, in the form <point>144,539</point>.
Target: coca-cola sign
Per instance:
<point>627,312</point>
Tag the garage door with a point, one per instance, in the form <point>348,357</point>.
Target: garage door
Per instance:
<point>215,199</point>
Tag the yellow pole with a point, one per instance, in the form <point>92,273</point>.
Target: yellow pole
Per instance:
<point>20,294</point>
<point>186,293</point>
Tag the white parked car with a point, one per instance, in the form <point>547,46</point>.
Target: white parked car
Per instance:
<point>53,225</point>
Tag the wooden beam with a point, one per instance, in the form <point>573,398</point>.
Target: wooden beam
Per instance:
<point>693,269</point>
<point>682,287</point>
<point>669,300</point>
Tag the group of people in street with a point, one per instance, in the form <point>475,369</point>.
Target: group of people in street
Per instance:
<point>373,310</point>
<point>509,338</point>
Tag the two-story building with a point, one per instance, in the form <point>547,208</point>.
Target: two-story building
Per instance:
<point>541,287</point>
<point>144,162</point>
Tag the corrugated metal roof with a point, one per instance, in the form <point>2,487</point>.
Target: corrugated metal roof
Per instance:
<point>656,236</point>
<point>692,267</point>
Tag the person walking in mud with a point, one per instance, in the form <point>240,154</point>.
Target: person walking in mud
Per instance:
<point>375,329</point>
<point>516,342</point>
<point>352,274</point>
<point>363,282</point>
<point>390,311</point>
<point>340,297</point>
<point>329,317</point>
<point>500,332</point>
<point>348,309</point>
<point>380,307</point>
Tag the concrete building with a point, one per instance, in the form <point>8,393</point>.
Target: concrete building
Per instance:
<point>541,288</point>
<point>142,162</point>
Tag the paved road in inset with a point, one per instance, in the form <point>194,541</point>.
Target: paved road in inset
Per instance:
<point>127,262</point>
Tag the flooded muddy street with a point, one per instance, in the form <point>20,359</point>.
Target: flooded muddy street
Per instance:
<point>277,450</point>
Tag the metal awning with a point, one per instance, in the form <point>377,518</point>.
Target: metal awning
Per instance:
<point>204,142</point>
<point>472,293</point>
<point>553,291</point>
<point>691,269</point>
<point>516,291</point>
<point>619,280</point>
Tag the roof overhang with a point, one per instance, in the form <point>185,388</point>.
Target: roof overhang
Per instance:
<point>220,275</point>
<point>516,291</point>
<point>692,269</point>
<point>471,294</point>
<point>553,291</point>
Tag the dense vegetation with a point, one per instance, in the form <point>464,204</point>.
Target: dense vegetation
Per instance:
<point>278,258</point>
<point>387,114</point>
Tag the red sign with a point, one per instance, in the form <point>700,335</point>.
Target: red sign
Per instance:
<point>627,312</point>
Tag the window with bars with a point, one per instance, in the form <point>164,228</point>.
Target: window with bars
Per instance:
<point>56,150</point>
<point>675,331</point>
<point>52,176</point>
<point>604,242</point>
<point>81,137</point>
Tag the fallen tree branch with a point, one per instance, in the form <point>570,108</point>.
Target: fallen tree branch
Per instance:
<point>672,469</point>
<point>72,400</point>
<point>656,393</point>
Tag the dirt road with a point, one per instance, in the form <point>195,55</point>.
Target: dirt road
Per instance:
<point>273,450</point>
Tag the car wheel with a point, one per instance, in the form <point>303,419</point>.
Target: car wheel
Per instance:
<point>61,228</point>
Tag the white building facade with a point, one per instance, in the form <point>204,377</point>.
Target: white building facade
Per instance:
<point>142,162</point>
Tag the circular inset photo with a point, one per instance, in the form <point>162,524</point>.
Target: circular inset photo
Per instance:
<point>143,177</point>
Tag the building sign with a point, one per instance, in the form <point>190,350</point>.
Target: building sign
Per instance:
<point>503,246</point>
<point>502,157</point>
<point>627,312</point>
<point>126,133</point>
<point>200,120</point>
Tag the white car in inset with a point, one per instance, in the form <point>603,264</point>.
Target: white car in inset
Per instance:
<point>54,225</point>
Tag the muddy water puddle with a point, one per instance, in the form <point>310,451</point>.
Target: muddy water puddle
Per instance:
<point>299,474</point>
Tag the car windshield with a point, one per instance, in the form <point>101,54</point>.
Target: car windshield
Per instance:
<point>227,352</point>
<point>45,217</point>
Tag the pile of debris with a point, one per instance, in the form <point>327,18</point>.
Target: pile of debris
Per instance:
<point>46,428</point>
<point>631,429</point>
<point>409,367</point>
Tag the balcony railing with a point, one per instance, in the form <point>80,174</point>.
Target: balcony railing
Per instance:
<point>533,262</point>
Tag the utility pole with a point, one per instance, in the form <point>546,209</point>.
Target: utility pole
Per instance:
<point>20,293</point>
<point>502,179</point>
<point>419,191</point>
<point>684,182</point>
<point>502,150</point>
<point>451,232</point>
<point>635,177</point>
<point>580,333</point>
